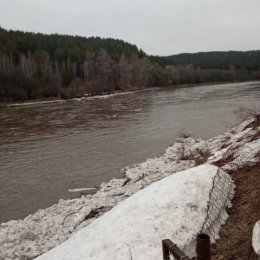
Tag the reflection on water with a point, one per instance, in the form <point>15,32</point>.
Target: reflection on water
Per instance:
<point>49,148</point>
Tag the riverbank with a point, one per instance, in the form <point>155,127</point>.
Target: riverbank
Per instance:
<point>210,84</point>
<point>84,97</point>
<point>43,101</point>
<point>236,234</point>
<point>237,149</point>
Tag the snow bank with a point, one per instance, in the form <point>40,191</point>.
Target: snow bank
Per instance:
<point>175,208</point>
<point>238,148</point>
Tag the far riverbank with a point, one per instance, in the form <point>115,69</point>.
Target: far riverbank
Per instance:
<point>43,101</point>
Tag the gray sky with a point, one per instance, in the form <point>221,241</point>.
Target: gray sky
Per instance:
<point>158,27</point>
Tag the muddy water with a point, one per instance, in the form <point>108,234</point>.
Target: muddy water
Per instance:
<point>46,149</point>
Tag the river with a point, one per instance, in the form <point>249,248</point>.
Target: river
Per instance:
<point>46,149</point>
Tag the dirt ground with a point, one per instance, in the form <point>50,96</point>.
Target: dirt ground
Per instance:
<point>236,234</point>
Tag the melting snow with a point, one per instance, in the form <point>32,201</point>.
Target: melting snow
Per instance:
<point>173,208</point>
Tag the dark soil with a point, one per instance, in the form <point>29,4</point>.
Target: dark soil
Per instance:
<point>236,234</point>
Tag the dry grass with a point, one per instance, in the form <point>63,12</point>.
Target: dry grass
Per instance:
<point>203,157</point>
<point>236,234</point>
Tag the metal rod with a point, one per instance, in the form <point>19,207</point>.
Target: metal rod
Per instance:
<point>203,247</point>
<point>170,248</point>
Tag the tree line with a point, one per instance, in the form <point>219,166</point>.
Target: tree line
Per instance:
<point>35,65</point>
<point>249,60</point>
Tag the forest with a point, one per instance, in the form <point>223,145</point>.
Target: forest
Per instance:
<point>36,65</point>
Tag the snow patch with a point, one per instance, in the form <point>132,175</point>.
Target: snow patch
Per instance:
<point>256,238</point>
<point>173,208</point>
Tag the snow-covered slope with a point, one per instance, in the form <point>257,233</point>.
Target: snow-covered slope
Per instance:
<point>175,208</point>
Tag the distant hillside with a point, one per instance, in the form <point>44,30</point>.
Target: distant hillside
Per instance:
<point>63,47</point>
<point>219,60</point>
<point>36,65</point>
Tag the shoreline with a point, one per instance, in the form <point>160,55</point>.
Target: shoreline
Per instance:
<point>237,148</point>
<point>84,97</point>
<point>43,101</point>
<point>210,84</point>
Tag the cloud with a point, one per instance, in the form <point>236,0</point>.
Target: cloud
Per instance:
<point>159,27</point>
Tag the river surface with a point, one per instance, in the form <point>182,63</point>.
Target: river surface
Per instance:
<point>46,149</point>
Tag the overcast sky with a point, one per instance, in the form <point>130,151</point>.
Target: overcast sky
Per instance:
<point>160,27</point>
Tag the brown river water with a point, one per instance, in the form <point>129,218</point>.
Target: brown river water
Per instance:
<point>46,149</point>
